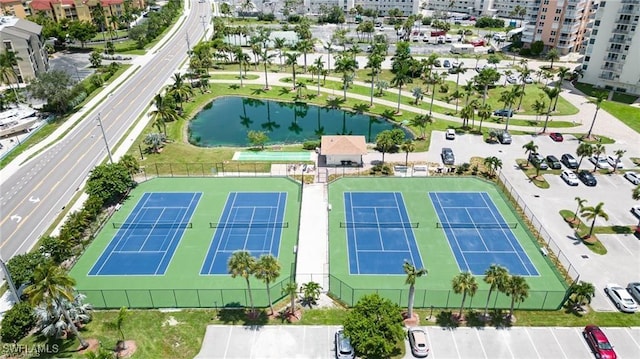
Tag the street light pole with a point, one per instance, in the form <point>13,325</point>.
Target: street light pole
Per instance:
<point>104,137</point>
<point>7,277</point>
<point>188,43</point>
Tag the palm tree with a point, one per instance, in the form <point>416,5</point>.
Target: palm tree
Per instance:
<point>421,121</point>
<point>242,58</point>
<point>517,288</point>
<point>329,48</point>
<point>267,270</point>
<point>592,213</point>
<point>51,285</point>
<point>8,62</point>
<point>618,154</point>
<point>538,106</point>
<point>525,73</point>
<point>581,293</point>
<point>266,58</point>
<point>635,193</point>
<point>529,147</point>
<point>435,80</point>
<point>458,70</point>
<point>552,92</point>
<point>163,113</point>
<point>486,78</point>
<point>417,93</point>
<point>180,90</point>
<point>562,74</point>
<point>310,292</point>
<point>584,150</point>
<point>407,146</point>
<point>597,100</point>
<point>319,64</point>
<point>401,78</point>
<point>598,150</point>
<point>552,55</point>
<point>119,322</point>
<point>241,263</point>
<point>496,276</point>
<point>484,112</point>
<point>292,60</point>
<point>375,65</point>
<point>508,98</point>
<point>412,274</point>
<point>466,113</point>
<point>466,284</point>
<point>291,289</point>
<point>279,43</point>
<point>581,203</point>
<point>347,65</point>
<point>493,163</point>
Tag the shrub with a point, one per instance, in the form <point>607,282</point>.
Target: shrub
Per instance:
<point>426,21</point>
<point>311,145</point>
<point>489,22</point>
<point>17,322</point>
<point>525,52</point>
<point>22,266</point>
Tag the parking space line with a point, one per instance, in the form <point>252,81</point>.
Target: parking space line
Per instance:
<point>532,343</point>
<point>455,345</point>
<point>584,342</point>
<point>480,341</point>
<point>628,331</point>
<point>557,342</point>
<point>503,333</point>
<point>618,238</point>
<point>253,340</point>
<point>226,348</point>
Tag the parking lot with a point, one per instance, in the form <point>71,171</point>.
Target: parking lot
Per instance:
<point>463,343</point>
<point>620,264</point>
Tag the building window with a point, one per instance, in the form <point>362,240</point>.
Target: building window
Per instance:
<point>539,31</point>
<point>587,58</point>
<point>7,45</point>
<point>553,33</point>
<point>556,18</point>
<point>544,9</point>
<point>546,2</point>
<point>558,11</point>
<point>543,17</point>
<point>603,3</point>
<point>592,41</point>
<point>552,40</point>
<point>596,23</point>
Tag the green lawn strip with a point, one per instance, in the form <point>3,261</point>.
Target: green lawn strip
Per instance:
<point>101,36</point>
<point>629,115</point>
<point>581,232</point>
<point>598,139</point>
<point>530,172</point>
<point>614,229</point>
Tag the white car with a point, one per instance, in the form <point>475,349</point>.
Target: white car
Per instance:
<point>512,79</point>
<point>450,134</point>
<point>569,177</point>
<point>621,298</point>
<point>528,80</point>
<point>633,177</point>
<point>600,162</point>
<point>636,211</point>
<point>612,162</point>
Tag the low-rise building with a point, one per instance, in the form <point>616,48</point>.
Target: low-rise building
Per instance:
<point>24,38</point>
<point>343,150</point>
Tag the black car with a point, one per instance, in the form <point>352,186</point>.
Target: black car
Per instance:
<point>587,178</point>
<point>553,162</point>
<point>503,113</point>
<point>569,161</point>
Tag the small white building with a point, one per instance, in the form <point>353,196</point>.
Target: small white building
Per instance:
<point>343,150</point>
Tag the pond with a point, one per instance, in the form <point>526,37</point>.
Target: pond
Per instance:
<point>227,120</point>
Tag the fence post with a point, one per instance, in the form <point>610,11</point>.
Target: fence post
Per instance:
<point>126,294</point>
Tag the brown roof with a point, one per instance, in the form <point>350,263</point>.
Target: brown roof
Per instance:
<point>343,145</point>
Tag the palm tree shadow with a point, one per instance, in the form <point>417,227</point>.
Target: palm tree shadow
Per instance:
<point>55,348</point>
<point>283,91</point>
<point>445,320</point>
<point>258,91</point>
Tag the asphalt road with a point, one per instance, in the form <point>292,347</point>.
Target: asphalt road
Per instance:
<point>38,191</point>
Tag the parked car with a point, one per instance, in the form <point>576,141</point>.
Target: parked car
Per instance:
<point>553,162</point>
<point>621,298</point>
<point>504,137</point>
<point>537,160</point>
<point>636,211</point>
<point>598,342</point>
<point>600,162</point>
<point>344,350</point>
<point>614,162</point>
<point>556,136</point>
<point>633,177</point>
<point>503,113</point>
<point>587,178</point>
<point>634,290</point>
<point>569,161</point>
<point>528,80</point>
<point>447,156</point>
<point>455,64</point>
<point>569,177</point>
<point>418,342</point>
<point>450,134</point>
<point>512,79</point>
<point>437,63</point>
<point>446,63</point>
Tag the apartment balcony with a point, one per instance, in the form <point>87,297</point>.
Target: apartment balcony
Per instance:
<point>620,31</point>
<point>616,51</point>
<point>570,29</point>
<point>631,2</point>
<point>612,68</point>
<point>608,76</point>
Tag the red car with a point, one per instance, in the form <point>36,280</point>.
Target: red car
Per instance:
<point>599,342</point>
<point>556,136</point>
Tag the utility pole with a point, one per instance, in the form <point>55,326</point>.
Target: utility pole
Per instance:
<point>7,277</point>
<point>188,43</point>
<point>104,137</point>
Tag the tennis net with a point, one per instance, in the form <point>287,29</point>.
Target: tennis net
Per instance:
<point>379,224</point>
<point>135,225</point>
<point>249,225</point>
<point>477,225</point>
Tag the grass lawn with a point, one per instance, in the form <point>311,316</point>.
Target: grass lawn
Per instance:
<point>217,76</point>
<point>621,110</point>
<point>582,231</point>
<point>531,173</point>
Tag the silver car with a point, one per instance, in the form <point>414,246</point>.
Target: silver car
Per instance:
<point>418,342</point>
<point>570,178</point>
<point>634,290</point>
<point>621,298</point>
<point>344,350</point>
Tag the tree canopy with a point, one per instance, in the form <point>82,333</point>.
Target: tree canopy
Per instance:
<point>54,87</point>
<point>109,182</point>
<point>374,327</point>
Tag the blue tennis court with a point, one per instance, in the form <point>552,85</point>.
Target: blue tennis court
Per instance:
<point>145,243</point>
<point>251,221</point>
<point>379,233</point>
<point>478,234</point>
